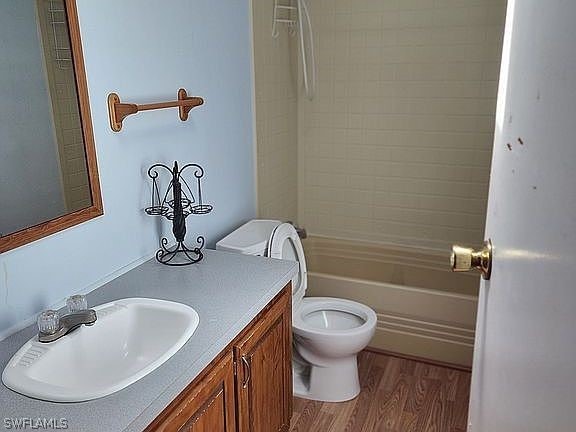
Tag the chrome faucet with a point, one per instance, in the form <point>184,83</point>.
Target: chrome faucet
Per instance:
<point>52,326</point>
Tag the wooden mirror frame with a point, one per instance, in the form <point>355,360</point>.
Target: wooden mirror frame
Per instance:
<point>28,235</point>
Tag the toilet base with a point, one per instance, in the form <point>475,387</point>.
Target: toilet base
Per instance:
<point>336,382</point>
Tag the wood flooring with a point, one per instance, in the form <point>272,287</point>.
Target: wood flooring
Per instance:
<point>398,395</point>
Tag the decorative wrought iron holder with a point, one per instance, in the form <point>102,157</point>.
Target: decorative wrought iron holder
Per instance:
<point>178,203</point>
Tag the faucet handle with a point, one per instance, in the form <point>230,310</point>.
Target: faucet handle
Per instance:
<point>77,303</point>
<point>48,322</point>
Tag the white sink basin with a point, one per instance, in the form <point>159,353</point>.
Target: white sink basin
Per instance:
<point>130,339</point>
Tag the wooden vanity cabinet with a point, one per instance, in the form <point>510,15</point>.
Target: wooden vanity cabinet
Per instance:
<point>248,387</point>
<point>208,405</point>
<point>264,372</point>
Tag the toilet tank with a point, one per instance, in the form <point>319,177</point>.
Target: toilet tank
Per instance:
<point>250,239</point>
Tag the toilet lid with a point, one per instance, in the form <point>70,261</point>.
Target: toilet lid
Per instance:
<point>285,244</point>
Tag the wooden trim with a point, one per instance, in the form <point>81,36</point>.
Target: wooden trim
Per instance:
<point>84,103</point>
<point>36,232</point>
<point>289,375</point>
<point>420,359</point>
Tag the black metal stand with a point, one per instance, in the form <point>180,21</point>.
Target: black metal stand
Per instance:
<point>166,255</point>
<point>181,205</point>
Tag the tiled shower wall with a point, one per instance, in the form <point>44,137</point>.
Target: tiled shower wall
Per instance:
<point>396,145</point>
<point>276,118</point>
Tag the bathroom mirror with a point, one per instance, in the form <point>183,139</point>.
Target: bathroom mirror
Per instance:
<point>48,173</point>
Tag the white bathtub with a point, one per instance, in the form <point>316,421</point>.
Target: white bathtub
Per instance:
<point>424,310</point>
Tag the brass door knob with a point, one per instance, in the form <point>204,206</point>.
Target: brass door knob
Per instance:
<point>465,259</point>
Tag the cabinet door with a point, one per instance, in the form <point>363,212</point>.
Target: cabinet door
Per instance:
<point>206,406</point>
<point>264,370</point>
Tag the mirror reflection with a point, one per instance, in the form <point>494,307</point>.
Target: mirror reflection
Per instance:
<point>43,167</point>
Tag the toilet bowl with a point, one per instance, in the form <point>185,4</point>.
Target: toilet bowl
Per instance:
<point>328,332</point>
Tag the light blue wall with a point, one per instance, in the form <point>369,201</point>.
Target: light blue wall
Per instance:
<point>145,50</point>
<point>30,188</point>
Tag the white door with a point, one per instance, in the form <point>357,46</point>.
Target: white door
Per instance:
<point>524,372</point>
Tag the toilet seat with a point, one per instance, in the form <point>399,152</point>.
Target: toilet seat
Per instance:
<point>285,244</point>
<point>349,318</point>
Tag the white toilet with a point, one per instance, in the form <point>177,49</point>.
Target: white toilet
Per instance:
<point>328,332</point>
